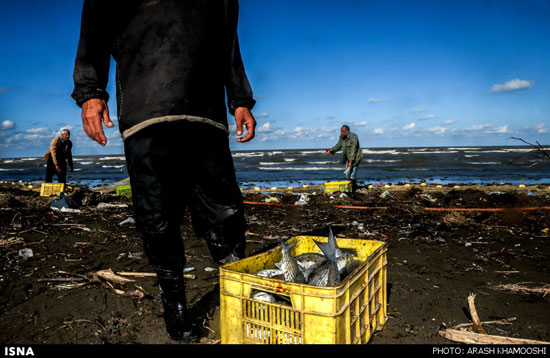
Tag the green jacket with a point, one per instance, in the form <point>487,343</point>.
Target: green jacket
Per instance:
<point>351,149</point>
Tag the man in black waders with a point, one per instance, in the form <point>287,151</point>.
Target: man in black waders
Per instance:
<point>57,156</point>
<point>176,61</point>
<point>352,153</point>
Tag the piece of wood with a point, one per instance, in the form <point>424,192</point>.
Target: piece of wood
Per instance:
<point>149,274</point>
<point>109,275</point>
<point>523,289</point>
<point>477,338</point>
<point>500,321</point>
<point>138,274</point>
<point>476,323</point>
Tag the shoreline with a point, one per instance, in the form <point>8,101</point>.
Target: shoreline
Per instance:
<point>436,258</point>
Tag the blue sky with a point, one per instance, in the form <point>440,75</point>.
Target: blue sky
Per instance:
<point>399,73</point>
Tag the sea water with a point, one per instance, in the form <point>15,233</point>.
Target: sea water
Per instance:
<point>282,168</point>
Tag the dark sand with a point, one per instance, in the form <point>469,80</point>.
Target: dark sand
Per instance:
<point>435,259</point>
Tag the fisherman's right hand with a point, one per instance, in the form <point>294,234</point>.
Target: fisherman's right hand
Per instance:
<point>57,169</point>
<point>94,111</point>
<point>327,152</point>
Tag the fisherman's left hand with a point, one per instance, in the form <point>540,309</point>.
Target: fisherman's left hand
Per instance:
<point>244,117</point>
<point>350,163</point>
<point>95,112</point>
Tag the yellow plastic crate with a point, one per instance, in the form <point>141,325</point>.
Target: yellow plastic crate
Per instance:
<point>48,189</point>
<point>125,190</point>
<point>332,186</point>
<point>346,314</point>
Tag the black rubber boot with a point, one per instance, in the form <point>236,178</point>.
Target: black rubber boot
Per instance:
<point>179,323</point>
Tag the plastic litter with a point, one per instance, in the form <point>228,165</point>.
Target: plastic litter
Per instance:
<point>302,201</point>
<point>385,194</point>
<point>64,202</point>
<point>128,221</point>
<point>108,205</point>
<point>25,253</point>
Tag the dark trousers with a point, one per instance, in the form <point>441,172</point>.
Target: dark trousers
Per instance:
<point>50,171</point>
<point>179,165</point>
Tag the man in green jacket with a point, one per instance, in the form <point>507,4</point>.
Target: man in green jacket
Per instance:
<point>349,144</point>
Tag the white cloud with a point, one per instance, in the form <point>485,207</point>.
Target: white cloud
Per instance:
<point>264,128</point>
<point>541,128</point>
<point>376,100</point>
<point>512,85</point>
<point>378,131</point>
<point>437,130</point>
<point>431,116</point>
<point>261,115</point>
<point>409,126</point>
<point>498,130</point>
<point>357,124</point>
<point>6,125</point>
<point>417,110</point>
<point>478,127</point>
<point>449,121</point>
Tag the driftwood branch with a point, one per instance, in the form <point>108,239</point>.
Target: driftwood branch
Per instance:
<point>466,336</point>
<point>538,147</point>
<point>477,338</point>
<point>519,288</point>
<point>500,321</point>
<point>476,323</point>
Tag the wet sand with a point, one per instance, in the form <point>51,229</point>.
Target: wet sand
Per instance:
<point>436,258</point>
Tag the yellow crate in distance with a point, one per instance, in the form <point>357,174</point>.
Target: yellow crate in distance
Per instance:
<point>333,186</point>
<point>346,314</point>
<point>124,190</point>
<point>49,189</point>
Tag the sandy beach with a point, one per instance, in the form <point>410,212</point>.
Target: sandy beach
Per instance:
<point>444,243</point>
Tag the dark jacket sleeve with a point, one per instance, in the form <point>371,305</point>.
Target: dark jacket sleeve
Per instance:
<point>239,92</point>
<point>91,71</point>
<point>70,155</point>
<point>337,147</point>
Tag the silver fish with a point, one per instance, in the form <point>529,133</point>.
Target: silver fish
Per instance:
<point>328,274</point>
<point>310,257</point>
<point>289,265</point>
<point>263,296</point>
<point>341,256</point>
<point>270,273</point>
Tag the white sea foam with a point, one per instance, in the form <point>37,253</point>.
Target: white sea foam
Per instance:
<point>370,151</point>
<point>483,163</point>
<point>290,159</point>
<point>274,153</point>
<point>112,158</point>
<point>436,152</point>
<point>471,155</point>
<point>300,168</point>
<point>249,154</point>
<point>272,163</point>
<point>382,161</point>
<point>113,166</point>
<point>85,163</point>
<point>465,148</point>
<point>323,162</point>
<point>8,161</point>
<point>305,152</point>
<point>27,159</point>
